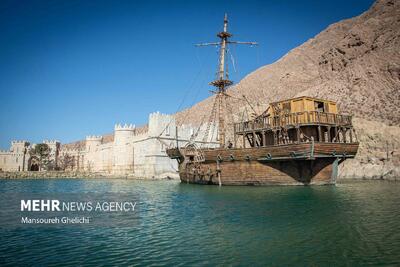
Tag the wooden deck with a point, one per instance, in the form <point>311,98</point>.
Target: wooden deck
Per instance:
<point>293,120</point>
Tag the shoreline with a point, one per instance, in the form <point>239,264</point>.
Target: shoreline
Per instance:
<point>75,175</point>
<point>29,175</point>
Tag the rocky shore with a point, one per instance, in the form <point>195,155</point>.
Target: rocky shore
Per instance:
<point>72,175</point>
<point>378,157</point>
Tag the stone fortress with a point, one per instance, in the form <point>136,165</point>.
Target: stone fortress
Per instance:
<point>17,158</point>
<point>133,151</point>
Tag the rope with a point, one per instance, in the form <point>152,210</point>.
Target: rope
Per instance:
<point>194,136</point>
<point>187,92</point>
<point>206,133</point>
<point>183,100</point>
<point>204,82</point>
<point>230,116</point>
<point>232,59</point>
<point>213,130</point>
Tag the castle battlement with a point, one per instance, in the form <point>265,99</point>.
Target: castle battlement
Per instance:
<point>160,124</point>
<point>94,138</point>
<point>18,142</point>
<point>125,127</point>
<point>50,142</point>
<point>159,114</point>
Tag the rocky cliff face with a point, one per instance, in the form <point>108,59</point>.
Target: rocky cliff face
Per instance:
<point>378,156</point>
<point>355,62</point>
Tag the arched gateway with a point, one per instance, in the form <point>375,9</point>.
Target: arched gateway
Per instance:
<point>33,164</point>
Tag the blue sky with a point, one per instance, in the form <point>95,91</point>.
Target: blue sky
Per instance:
<point>73,68</point>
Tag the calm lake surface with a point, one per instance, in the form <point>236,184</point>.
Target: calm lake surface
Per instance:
<point>355,223</point>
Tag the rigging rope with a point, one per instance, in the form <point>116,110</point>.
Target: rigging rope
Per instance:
<point>194,136</point>
<point>232,59</point>
<point>207,131</point>
<point>187,93</point>
<point>230,119</point>
<point>213,112</point>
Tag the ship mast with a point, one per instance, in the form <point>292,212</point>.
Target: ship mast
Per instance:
<point>222,80</point>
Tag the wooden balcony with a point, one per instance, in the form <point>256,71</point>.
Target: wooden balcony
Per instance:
<point>294,120</point>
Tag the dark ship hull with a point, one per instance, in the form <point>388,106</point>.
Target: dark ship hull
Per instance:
<point>290,164</point>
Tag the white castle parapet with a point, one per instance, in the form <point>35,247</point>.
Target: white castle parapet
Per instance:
<point>94,138</point>
<point>19,142</point>
<point>161,124</point>
<point>158,114</point>
<point>126,127</point>
<point>50,141</point>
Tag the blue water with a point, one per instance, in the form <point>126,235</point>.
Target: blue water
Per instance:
<point>355,224</point>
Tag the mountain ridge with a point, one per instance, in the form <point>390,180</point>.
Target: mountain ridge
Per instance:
<point>353,62</point>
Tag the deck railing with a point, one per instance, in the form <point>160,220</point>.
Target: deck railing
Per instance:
<point>298,118</point>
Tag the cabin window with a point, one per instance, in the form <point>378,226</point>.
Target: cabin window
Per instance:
<point>286,107</point>
<point>319,106</point>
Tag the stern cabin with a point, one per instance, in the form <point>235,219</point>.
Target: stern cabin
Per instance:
<point>298,120</point>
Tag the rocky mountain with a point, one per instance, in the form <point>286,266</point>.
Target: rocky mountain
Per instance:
<point>355,62</point>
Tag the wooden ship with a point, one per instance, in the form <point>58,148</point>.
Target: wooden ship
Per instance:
<point>299,141</point>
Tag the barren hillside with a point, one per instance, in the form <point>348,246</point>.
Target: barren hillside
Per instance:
<point>355,62</point>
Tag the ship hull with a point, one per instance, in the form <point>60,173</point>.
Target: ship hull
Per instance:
<point>292,164</point>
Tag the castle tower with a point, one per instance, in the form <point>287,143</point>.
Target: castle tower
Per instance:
<point>54,146</point>
<point>161,124</point>
<point>19,148</point>
<point>92,142</point>
<point>162,134</point>
<point>123,148</point>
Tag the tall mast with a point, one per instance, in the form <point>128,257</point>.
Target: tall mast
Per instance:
<point>222,80</point>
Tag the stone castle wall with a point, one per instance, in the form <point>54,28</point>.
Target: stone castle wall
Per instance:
<point>142,154</point>
<point>133,152</point>
<point>17,158</point>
